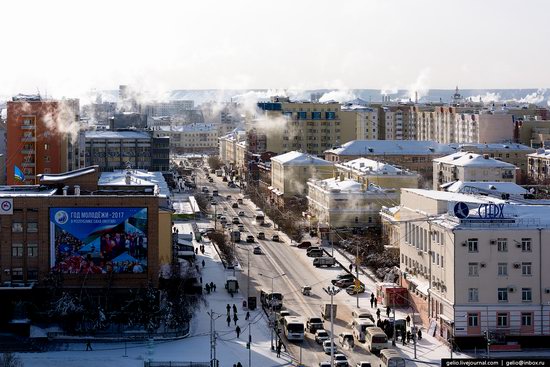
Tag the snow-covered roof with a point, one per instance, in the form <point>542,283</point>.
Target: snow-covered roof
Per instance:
<point>107,134</point>
<point>357,107</point>
<point>466,159</point>
<point>299,159</point>
<point>454,196</point>
<point>491,147</point>
<point>15,191</point>
<point>540,153</point>
<point>391,147</point>
<point>58,177</point>
<point>137,178</point>
<point>496,187</point>
<point>370,166</point>
<point>349,186</point>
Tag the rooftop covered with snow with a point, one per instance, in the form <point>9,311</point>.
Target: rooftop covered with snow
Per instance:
<point>300,159</point>
<point>391,147</point>
<point>134,177</point>
<point>487,187</point>
<point>122,134</point>
<point>347,186</point>
<point>466,159</point>
<point>371,167</point>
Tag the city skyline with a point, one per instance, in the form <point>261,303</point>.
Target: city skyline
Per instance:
<point>248,45</point>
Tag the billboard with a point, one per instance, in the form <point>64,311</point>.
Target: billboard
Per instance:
<point>98,240</point>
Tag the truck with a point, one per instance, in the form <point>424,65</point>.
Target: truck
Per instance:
<point>219,172</point>
<point>235,236</point>
<point>324,261</point>
<point>325,311</point>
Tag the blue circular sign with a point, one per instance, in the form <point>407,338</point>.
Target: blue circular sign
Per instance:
<point>461,210</point>
<point>6,206</point>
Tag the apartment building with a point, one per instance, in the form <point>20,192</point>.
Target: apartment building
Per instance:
<point>170,108</point>
<point>34,143</point>
<point>190,138</point>
<point>364,118</point>
<point>112,150</point>
<point>399,123</point>
<point>471,167</point>
<point>367,171</point>
<point>338,202</point>
<point>291,171</point>
<point>474,264</point>
<point>406,154</point>
<point>227,146</point>
<point>533,133</point>
<point>539,165</point>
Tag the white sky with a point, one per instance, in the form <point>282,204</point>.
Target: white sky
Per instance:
<point>68,47</point>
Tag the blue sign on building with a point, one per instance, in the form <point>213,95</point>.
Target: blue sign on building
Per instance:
<point>461,210</point>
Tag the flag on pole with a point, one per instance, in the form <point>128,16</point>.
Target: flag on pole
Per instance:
<point>18,174</point>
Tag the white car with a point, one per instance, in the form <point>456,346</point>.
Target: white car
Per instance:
<point>341,360</point>
<point>363,364</point>
<point>327,347</point>
<point>321,335</point>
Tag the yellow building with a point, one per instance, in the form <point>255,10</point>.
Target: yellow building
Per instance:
<point>369,171</point>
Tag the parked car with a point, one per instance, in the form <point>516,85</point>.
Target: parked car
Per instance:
<point>232,185</point>
<point>235,205</point>
<point>346,338</point>
<point>241,214</point>
<point>327,347</point>
<point>219,215</point>
<point>257,250</point>
<point>240,200</point>
<point>341,360</point>
<point>304,244</point>
<point>211,180</point>
<point>321,335</point>
<point>344,283</point>
<point>228,197</point>
<point>342,276</point>
<point>275,238</point>
<point>204,189</point>
<point>261,236</point>
<point>351,290</point>
<point>250,238</point>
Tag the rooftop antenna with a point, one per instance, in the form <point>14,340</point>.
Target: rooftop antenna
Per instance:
<point>38,91</point>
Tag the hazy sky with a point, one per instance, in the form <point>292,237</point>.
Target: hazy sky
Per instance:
<point>68,47</point>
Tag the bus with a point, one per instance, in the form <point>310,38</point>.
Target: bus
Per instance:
<point>390,358</point>
<point>375,339</point>
<point>270,300</point>
<point>260,218</point>
<point>294,328</point>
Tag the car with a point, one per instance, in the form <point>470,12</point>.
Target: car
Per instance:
<point>228,197</point>
<point>281,315</point>
<point>345,338</point>
<point>241,227</point>
<point>304,244</point>
<point>363,364</point>
<point>275,238</point>
<point>250,238</point>
<point>219,215</point>
<point>321,335</point>
<point>204,189</point>
<point>261,236</point>
<point>351,290</point>
<point>241,214</point>
<point>344,283</point>
<point>314,323</point>
<point>340,360</point>
<point>223,220</point>
<point>327,347</point>
<point>212,171</point>
<point>324,364</point>
<point>231,185</point>
<point>257,250</point>
<point>342,276</point>
<point>235,205</point>
<point>224,179</point>
<point>236,220</point>
<point>240,200</point>
<point>211,180</point>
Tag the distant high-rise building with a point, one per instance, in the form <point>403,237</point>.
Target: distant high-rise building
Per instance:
<point>34,142</point>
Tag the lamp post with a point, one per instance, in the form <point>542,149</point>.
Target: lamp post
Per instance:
<point>271,303</point>
<point>331,291</point>
<point>248,306</point>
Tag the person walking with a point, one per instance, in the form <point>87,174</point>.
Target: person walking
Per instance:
<point>350,268</point>
<point>279,350</point>
<point>371,300</point>
<point>207,287</point>
<point>201,279</point>
<point>196,251</point>
<point>235,319</point>
<point>247,315</point>
<point>228,320</point>
<point>238,331</point>
<point>228,309</point>
<point>388,310</point>
<point>408,320</point>
<point>419,334</point>
<point>89,346</point>
<point>408,336</point>
<point>214,287</point>
<point>375,302</point>
<point>378,313</point>
<point>234,309</point>
<point>239,364</point>
<point>203,263</point>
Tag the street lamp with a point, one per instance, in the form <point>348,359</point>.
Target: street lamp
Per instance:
<point>332,291</point>
<point>271,303</point>
<point>248,305</point>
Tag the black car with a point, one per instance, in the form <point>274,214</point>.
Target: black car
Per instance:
<point>342,276</point>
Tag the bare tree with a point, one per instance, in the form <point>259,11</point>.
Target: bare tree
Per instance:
<point>9,359</point>
<point>214,162</point>
<point>226,250</point>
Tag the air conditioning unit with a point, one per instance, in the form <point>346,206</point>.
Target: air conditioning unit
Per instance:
<point>547,290</point>
<point>517,265</point>
<point>511,289</point>
<point>518,245</point>
<point>464,244</point>
<point>420,253</point>
<point>482,265</point>
<point>493,242</point>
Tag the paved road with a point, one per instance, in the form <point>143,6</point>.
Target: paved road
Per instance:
<point>279,258</point>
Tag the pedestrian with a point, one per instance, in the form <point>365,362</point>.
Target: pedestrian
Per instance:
<point>228,320</point>
<point>408,320</point>
<point>388,310</point>
<point>375,302</point>
<point>89,346</point>
<point>371,299</point>
<point>235,319</point>
<point>228,309</point>
<point>247,315</point>
<point>350,268</point>
<point>238,331</point>
<point>201,279</point>
<point>279,350</point>
<point>207,287</point>
<point>203,263</point>
<point>198,270</point>
<point>378,313</point>
<point>234,309</point>
<point>408,336</point>
<point>214,287</point>
<point>202,249</point>
<point>239,364</point>
<point>378,323</point>
<point>419,334</point>
<point>196,251</point>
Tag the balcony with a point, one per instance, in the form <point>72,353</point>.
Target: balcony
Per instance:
<point>28,127</point>
<point>28,139</point>
<point>28,164</point>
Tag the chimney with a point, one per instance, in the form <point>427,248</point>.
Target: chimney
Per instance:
<point>77,190</point>
<point>65,189</point>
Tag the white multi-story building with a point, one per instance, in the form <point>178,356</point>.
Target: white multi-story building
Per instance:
<point>538,167</point>
<point>171,108</point>
<point>473,264</point>
<point>466,166</point>
<point>227,146</point>
<point>198,137</point>
<point>369,171</point>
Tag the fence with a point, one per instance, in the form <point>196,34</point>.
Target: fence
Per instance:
<point>175,364</point>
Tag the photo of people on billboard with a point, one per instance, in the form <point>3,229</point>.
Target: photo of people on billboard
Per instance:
<point>98,240</point>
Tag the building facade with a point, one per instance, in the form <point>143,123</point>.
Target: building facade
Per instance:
<point>382,174</point>
<point>538,165</point>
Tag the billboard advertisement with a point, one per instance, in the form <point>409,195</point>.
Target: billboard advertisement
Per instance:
<point>98,240</point>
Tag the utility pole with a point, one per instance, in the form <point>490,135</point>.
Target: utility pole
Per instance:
<point>331,291</point>
<point>213,318</point>
<point>249,346</point>
<point>271,301</point>
<point>357,273</point>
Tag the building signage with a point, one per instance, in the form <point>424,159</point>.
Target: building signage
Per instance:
<point>6,206</point>
<point>491,211</point>
<point>486,213</point>
<point>461,210</point>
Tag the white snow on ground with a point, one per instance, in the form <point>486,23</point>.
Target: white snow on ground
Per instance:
<point>229,349</point>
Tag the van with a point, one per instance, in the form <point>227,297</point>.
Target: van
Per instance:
<point>390,358</point>
<point>375,339</point>
<point>315,252</point>
<point>324,261</point>
<point>359,328</point>
<point>362,314</point>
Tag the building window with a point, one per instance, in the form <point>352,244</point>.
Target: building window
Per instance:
<point>17,227</point>
<point>316,115</point>
<point>473,319</point>
<point>473,269</point>
<point>526,295</point>
<point>502,244</point>
<point>330,115</point>
<point>526,269</point>
<point>502,294</point>
<point>442,263</point>
<point>17,250</point>
<point>472,245</point>
<point>46,158</point>
<point>32,227</point>
<point>526,319</point>
<point>46,146</point>
<point>17,274</point>
<point>502,269</point>
<point>32,274</point>
<point>473,295</point>
<point>502,320</point>
<point>526,244</point>
<point>32,249</point>
<point>302,115</point>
